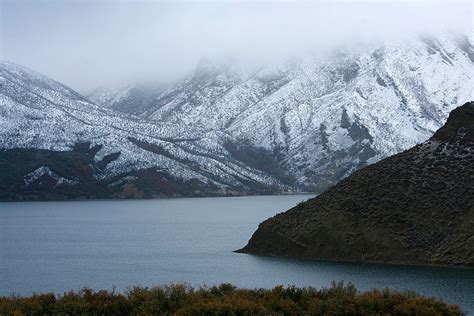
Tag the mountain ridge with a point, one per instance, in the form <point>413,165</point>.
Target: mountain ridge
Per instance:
<point>39,115</point>
<point>301,126</point>
<point>397,92</point>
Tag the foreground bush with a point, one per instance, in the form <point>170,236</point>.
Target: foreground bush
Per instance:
<point>226,299</point>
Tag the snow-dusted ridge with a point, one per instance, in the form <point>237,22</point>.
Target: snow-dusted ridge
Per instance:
<point>300,126</point>
<point>42,114</point>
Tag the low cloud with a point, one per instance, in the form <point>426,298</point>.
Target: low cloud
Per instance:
<point>86,44</point>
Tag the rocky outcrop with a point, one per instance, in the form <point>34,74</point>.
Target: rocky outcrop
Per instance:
<point>416,207</point>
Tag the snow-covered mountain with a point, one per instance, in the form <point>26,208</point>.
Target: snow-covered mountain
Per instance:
<point>325,118</point>
<point>302,125</point>
<point>51,135</point>
<point>132,99</point>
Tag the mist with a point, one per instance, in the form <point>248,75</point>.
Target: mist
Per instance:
<point>86,44</point>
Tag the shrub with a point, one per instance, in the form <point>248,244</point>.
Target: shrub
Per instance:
<point>226,299</point>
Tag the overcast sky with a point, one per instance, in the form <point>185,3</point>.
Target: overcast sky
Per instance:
<point>86,44</point>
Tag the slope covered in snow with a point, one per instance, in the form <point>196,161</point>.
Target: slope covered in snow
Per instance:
<point>324,118</point>
<point>41,118</point>
<point>302,125</point>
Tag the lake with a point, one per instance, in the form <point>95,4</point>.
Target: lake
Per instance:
<point>58,246</point>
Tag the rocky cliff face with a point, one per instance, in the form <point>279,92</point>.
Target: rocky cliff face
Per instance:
<point>416,207</point>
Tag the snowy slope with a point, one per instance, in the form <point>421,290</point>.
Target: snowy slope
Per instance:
<point>132,99</point>
<point>324,118</point>
<point>37,112</point>
<point>301,125</point>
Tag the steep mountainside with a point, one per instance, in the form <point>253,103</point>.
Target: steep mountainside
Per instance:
<point>55,141</point>
<point>323,118</point>
<point>130,100</point>
<point>300,126</point>
<point>416,207</point>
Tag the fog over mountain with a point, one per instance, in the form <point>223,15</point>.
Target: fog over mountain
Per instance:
<point>141,99</point>
<point>86,44</point>
<point>301,126</point>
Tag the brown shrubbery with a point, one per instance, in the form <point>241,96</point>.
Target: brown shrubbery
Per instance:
<point>226,299</point>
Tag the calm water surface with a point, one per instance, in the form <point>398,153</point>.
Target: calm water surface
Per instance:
<point>58,246</point>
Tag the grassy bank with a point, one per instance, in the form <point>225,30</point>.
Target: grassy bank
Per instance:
<point>226,299</point>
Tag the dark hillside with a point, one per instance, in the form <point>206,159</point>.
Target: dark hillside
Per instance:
<point>416,207</point>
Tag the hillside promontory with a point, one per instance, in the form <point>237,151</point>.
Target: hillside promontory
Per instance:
<point>416,207</point>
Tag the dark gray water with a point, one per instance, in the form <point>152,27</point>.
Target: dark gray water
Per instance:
<point>58,246</point>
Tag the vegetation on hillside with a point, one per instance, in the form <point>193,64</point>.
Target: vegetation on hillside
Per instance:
<point>86,178</point>
<point>226,299</point>
<point>415,207</point>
